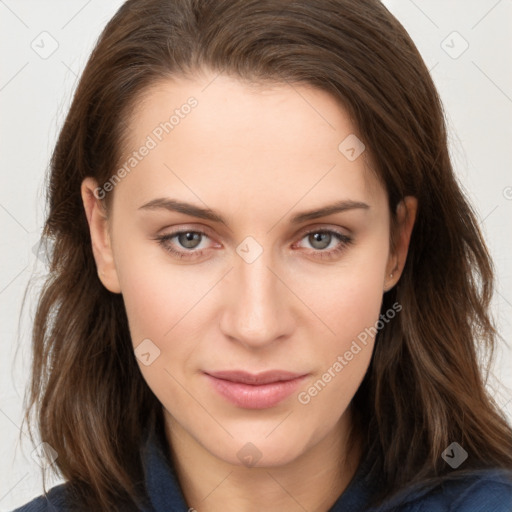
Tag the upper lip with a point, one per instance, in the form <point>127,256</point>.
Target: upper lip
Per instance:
<point>258,378</point>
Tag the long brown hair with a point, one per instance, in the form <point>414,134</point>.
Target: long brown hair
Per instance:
<point>425,386</point>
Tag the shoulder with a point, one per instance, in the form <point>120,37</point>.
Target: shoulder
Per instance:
<point>482,491</point>
<point>53,501</point>
<point>490,492</point>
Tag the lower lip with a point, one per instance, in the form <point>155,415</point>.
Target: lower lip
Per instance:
<point>260,396</point>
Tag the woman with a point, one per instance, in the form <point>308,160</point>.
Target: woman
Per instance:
<point>268,291</point>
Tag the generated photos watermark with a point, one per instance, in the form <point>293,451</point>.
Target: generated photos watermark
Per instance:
<point>305,397</point>
<point>152,140</point>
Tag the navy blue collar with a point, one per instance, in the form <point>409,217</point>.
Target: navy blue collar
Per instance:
<point>165,493</point>
<point>161,479</point>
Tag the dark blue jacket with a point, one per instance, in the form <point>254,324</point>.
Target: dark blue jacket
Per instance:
<point>485,491</point>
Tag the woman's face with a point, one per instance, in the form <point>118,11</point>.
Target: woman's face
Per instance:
<point>256,291</point>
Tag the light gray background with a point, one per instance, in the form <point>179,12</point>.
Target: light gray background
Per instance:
<point>35,92</point>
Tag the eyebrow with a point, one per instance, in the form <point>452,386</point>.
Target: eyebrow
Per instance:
<point>206,213</point>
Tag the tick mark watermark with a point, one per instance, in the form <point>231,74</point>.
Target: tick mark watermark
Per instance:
<point>454,45</point>
<point>45,45</point>
<point>249,455</point>
<point>249,249</point>
<point>454,455</point>
<point>351,147</point>
<point>146,352</point>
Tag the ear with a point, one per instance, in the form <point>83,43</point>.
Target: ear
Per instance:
<point>100,236</point>
<point>405,218</point>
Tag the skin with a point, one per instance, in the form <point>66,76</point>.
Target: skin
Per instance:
<point>257,156</point>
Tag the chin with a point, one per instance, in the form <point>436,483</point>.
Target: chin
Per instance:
<point>259,451</point>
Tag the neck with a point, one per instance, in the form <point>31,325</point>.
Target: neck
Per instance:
<point>313,481</point>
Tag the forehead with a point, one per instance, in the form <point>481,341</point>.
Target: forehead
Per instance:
<point>273,115</point>
<point>215,134</point>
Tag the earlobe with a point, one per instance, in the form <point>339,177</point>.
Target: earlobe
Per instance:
<point>100,237</point>
<point>405,217</point>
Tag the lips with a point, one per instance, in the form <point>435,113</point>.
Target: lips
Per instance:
<point>255,379</point>
<point>255,391</point>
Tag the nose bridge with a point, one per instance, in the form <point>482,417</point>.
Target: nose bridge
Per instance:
<point>256,311</point>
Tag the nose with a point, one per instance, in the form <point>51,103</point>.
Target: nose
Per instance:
<point>257,307</point>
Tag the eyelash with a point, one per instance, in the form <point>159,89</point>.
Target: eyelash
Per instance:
<point>344,241</point>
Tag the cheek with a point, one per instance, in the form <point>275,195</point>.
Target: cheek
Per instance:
<point>351,306</point>
<point>159,301</point>
<point>349,302</point>
<point>352,311</point>
<point>157,293</point>
<point>349,298</point>
<point>355,303</point>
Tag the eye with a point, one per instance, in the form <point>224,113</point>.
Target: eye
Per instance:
<point>320,239</point>
<point>187,239</point>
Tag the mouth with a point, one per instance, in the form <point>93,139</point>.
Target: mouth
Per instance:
<point>255,391</point>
